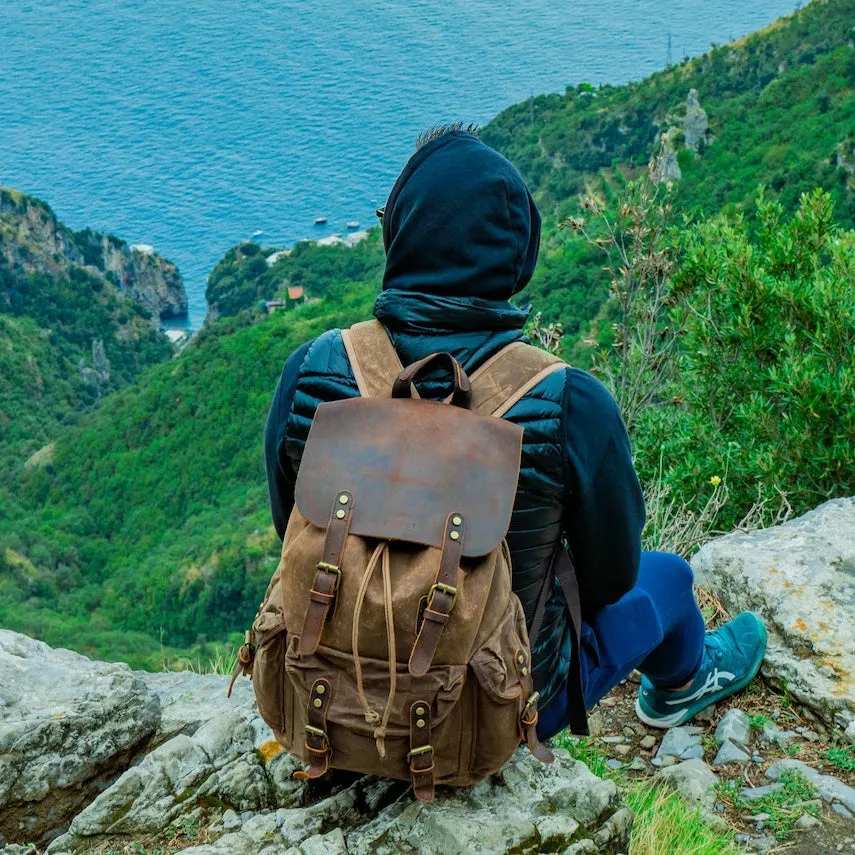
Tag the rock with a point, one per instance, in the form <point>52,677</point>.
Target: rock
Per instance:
<point>623,749</point>
<point>504,815</point>
<point>770,732</point>
<point>806,821</point>
<point>849,733</point>
<point>188,700</point>
<point>800,576</point>
<point>830,788</point>
<point>639,764</point>
<point>695,781</point>
<point>696,125</point>
<point>735,726</point>
<point>648,742</point>
<point>612,740</point>
<point>682,743</point>
<point>218,764</point>
<point>752,793</point>
<point>231,820</point>
<point>811,736</point>
<point>666,167</point>
<point>840,810</point>
<point>729,753</point>
<point>68,726</point>
<point>706,715</point>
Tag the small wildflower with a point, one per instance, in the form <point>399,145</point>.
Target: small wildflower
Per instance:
<point>715,480</point>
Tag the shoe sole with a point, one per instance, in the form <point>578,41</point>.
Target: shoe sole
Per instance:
<point>724,693</point>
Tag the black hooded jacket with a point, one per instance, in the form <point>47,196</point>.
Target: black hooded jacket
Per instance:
<point>462,235</point>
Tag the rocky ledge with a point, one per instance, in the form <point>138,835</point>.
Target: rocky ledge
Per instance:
<point>800,577</point>
<point>93,754</point>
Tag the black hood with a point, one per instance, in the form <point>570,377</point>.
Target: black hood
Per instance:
<point>460,223</point>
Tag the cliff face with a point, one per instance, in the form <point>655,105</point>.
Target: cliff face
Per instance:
<point>80,314</point>
<point>33,240</point>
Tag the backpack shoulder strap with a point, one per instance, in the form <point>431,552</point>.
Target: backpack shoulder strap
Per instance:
<point>509,375</point>
<point>373,358</point>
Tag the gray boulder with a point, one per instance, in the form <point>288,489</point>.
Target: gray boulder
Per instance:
<point>695,782</point>
<point>696,128</point>
<point>735,726</point>
<point>188,700</point>
<point>681,743</point>
<point>218,764</point>
<point>527,808</point>
<point>800,577</point>
<point>832,789</point>
<point>68,725</point>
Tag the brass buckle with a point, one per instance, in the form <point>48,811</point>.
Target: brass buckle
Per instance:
<point>317,731</point>
<point>532,700</point>
<point>416,751</point>
<point>331,568</point>
<point>449,590</point>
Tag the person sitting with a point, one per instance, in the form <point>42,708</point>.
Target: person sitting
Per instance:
<point>462,234</point>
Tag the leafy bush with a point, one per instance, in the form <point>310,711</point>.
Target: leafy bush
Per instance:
<point>765,388</point>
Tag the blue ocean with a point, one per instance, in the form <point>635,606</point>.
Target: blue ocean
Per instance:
<point>193,124</point>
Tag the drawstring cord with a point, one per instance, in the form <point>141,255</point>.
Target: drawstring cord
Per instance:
<point>381,554</point>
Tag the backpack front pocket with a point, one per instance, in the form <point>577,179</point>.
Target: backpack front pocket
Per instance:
<point>268,672</point>
<point>502,671</point>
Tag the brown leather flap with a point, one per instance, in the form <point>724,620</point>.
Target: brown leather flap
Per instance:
<point>408,464</point>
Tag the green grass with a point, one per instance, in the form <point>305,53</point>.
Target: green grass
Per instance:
<point>842,757</point>
<point>784,806</point>
<point>664,822</point>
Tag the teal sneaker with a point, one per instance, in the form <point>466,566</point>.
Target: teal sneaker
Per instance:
<point>732,656</point>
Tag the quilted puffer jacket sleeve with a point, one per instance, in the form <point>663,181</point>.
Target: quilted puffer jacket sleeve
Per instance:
<point>604,507</point>
<point>280,473</point>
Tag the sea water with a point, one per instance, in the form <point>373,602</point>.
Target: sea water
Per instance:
<point>193,124</point>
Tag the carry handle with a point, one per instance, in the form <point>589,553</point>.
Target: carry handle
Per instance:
<point>462,395</point>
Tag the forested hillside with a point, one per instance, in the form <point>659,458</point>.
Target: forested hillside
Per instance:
<point>144,535</point>
<point>776,108</point>
<point>79,316</point>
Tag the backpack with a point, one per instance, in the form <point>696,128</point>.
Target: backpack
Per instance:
<point>389,641</point>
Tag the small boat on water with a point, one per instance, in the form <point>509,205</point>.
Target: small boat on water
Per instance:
<point>258,233</point>
<point>320,221</point>
<point>353,224</point>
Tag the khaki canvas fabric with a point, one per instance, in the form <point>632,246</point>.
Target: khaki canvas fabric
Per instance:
<point>389,640</point>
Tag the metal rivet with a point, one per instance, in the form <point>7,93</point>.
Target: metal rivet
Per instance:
<point>343,499</point>
<point>420,723</point>
<point>457,520</point>
<point>523,671</point>
<point>341,514</point>
<point>455,535</point>
<point>318,703</point>
<point>321,689</point>
<point>521,659</point>
<point>420,710</point>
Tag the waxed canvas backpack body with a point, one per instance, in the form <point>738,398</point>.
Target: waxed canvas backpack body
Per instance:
<point>389,640</point>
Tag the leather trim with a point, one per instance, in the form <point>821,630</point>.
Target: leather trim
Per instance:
<point>409,463</point>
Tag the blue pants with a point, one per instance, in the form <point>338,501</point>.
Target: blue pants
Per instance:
<point>657,628</point>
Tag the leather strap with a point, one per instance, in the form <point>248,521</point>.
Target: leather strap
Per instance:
<point>317,742</point>
<point>440,598</point>
<point>245,661</point>
<point>528,708</point>
<point>562,569</point>
<point>460,397</point>
<point>322,595</point>
<point>420,757</point>
<point>508,375</point>
<point>373,358</point>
